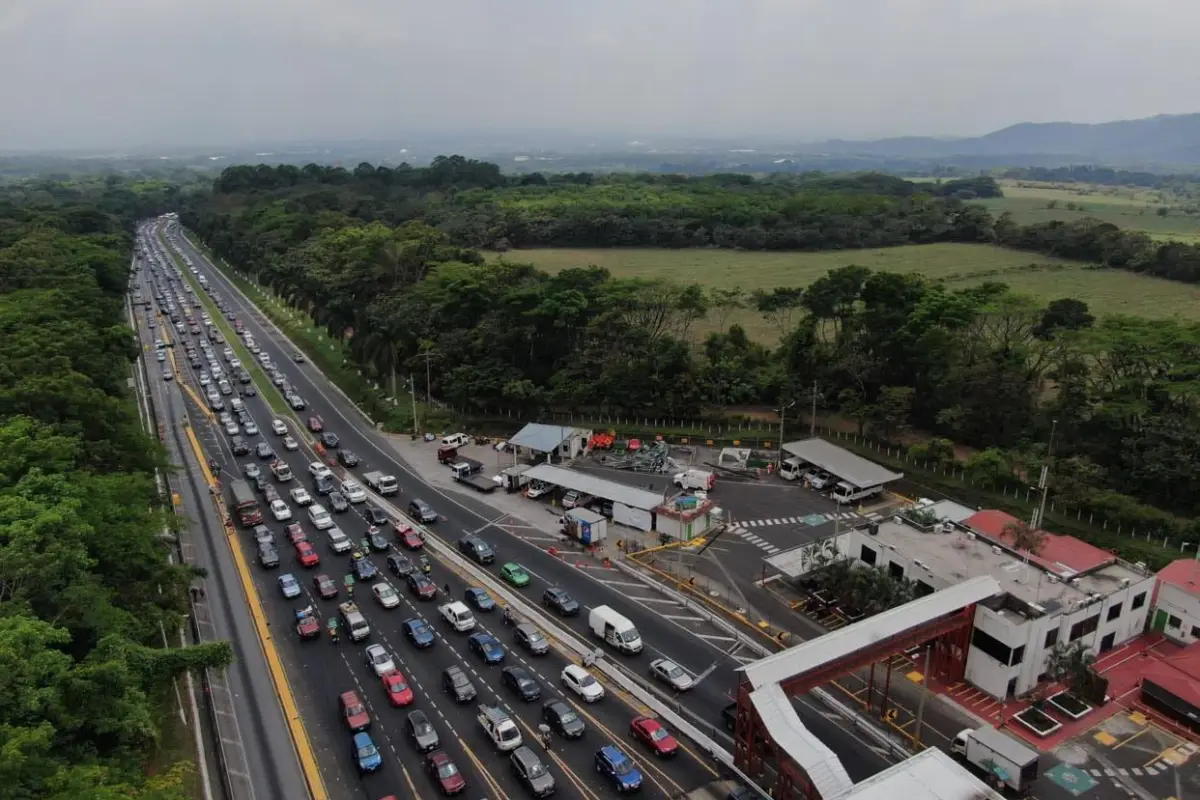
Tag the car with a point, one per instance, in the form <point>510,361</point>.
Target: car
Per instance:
<point>315,425</point>
<point>205,378</point>
<point>354,493</point>
<point>280,510</point>
<point>421,731</point>
<point>298,358</point>
<point>421,511</point>
<point>290,444</point>
<point>261,483</point>
<point>249,391</point>
<point>271,493</point>
<point>264,451</point>
<point>347,458</point>
<point>618,768</point>
<point>319,470</point>
<point>251,470</point>
<point>325,586</point>
<point>295,533</point>
<point>364,570</point>
<point>417,631</point>
<point>330,440</point>
<point>232,428</point>
<point>250,428</point>
<point>487,647</point>
<point>399,693</point>
<point>514,574</point>
<point>278,427</point>
<point>421,586</point>
<point>289,585</point>
<point>400,565</point>
<point>268,556</point>
<point>379,660</point>
<point>670,673</point>
<point>338,503</point>
<point>168,375</point>
<point>409,537</point>
<point>300,496</point>
<point>531,639</point>
<point>264,535</point>
<point>354,712</point>
<point>323,484</point>
<point>456,684</point>
<point>377,540</point>
<point>307,554</point>
<point>479,599</point>
<point>476,549</point>
<point>581,682</point>
<point>366,754</point>
<point>820,480</point>
<point>385,595</point>
<point>374,514</point>
<point>444,771</point>
<point>339,542</point>
<point>563,720</point>
<point>521,682</point>
<point>561,601</point>
<point>651,733</point>
<point>531,772</point>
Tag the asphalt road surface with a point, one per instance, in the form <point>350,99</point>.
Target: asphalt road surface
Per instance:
<point>460,515</point>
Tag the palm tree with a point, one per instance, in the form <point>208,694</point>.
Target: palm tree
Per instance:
<point>1073,665</point>
<point>1024,537</point>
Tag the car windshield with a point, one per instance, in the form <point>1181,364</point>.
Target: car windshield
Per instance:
<point>422,728</point>
<point>658,734</point>
<point>537,769</point>
<point>398,685</point>
<point>568,718</point>
<point>509,732</point>
<point>535,637</point>
<point>622,767</point>
<point>367,752</point>
<point>355,710</point>
<point>673,670</point>
<point>447,769</point>
<point>460,679</point>
<point>629,636</point>
<point>587,680</point>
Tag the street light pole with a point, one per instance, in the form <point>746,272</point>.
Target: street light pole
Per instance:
<point>782,415</point>
<point>412,391</point>
<point>812,424</point>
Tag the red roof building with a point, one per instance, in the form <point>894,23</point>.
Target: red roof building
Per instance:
<point>1064,556</point>
<point>1183,574</point>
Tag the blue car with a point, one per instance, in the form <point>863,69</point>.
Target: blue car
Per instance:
<point>486,647</point>
<point>364,570</point>
<point>366,754</point>
<point>418,632</point>
<point>618,768</point>
<point>480,599</point>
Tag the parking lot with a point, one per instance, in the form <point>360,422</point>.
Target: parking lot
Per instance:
<point>1128,748</point>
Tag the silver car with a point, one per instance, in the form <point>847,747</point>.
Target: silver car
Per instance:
<point>671,674</point>
<point>424,736</point>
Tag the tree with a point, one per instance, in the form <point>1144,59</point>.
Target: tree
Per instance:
<point>1024,538</point>
<point>891,410</point>
<point>1073,665</point>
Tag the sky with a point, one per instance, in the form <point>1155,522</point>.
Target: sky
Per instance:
<point>137,73</point>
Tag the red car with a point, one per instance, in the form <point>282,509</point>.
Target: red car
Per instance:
<point>398,691</point>
<point>651,733</point>
<point>307,554</point>
<point>308,626</point>
<point>315,425</point>
<point>409,538</point>
<point>325,586</point>
<point>354,712</point>
<point>443,769</point>
<point>295,533</point>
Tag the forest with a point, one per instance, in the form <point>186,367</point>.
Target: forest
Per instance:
<point>86,590</point>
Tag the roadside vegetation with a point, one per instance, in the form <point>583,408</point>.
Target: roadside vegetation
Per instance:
<point>86,590</point>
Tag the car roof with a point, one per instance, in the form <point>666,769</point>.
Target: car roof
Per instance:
<point>361,738</point>
<point>612,753</point>
<point>347,697</point>
<point>575,670</point>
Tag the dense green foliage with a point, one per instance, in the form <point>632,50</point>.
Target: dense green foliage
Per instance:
<point>1104,176</point>
<point>982,366</point>
<point>84,580</point>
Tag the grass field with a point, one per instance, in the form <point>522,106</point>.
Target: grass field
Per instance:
<point>1105,291</point>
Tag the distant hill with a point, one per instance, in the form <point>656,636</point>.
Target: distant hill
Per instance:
<point>1162,140</point>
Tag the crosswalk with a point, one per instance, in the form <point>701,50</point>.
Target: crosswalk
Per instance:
<point>755,540</point>
<point>807,520</point>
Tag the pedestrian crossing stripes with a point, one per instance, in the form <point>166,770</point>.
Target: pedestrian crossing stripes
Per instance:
<point>829,517</point>
<point>755,540</point>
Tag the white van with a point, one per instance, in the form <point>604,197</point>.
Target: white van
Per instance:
<point>455,440</point>
<point>792,469</point>
<point>319,517</point>
<point>845,493</point>
<point>615,629</point>
<point>695,479</point>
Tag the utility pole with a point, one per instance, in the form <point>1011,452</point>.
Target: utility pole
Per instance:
<point>812,426</point>
<point>1040,511</point>
<point>924,693</point>
<point>412,391</point>
<point>428,354</point>
<point>782,413</point>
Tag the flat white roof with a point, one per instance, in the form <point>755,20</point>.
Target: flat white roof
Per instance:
<point>819,763</point>
<point>838,461</point>
<point>542,438</point>
<point>929,775</point>
<point>596,487</point>
<point>843,642</point>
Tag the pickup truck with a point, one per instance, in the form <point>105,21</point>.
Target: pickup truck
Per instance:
<point>465,465</point>
<point>281,471</point>
<point>464,474</point>
<point>380,483</point>
<point>499,727</point>
<point>458,615</point>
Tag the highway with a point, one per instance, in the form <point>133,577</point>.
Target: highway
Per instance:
<point>461,514</point>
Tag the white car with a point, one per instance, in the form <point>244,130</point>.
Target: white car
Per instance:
<point>235,363</point>
<point>379,660</point>
<point>319,470</point>
<point>339,542</point>
<point>290,444</point>
<point>205,379</point>
<point>250,428</point>
<point>300,496</point>
<point>278,428</point>
<point>289,586</point>
<point>353,492</point>
<point>232,428</point>
<point>385,594</point>
<point>581,682</point>
<point>280,510</point>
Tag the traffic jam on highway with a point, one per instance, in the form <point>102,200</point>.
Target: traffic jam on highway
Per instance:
<point>412,675</point>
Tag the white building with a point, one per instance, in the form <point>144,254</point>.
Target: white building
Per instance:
<point>1068,591</point>
<point>1177,604</point>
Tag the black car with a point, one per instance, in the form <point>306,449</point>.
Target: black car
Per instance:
<point>261,483</point>
<point>456,684</point>
<point>323,484</point>
<point>347,458</point>
<point>268,556</point>
<point>338,503</point>
<point>264,451</point>
<point>561,601</point>
<point>399,564</point>
<point>240,446</point>
<point>476,549</point>
<point>375,515</point>
<point>249,391</point>
<point>330,440</point>
<point>364,570</point>
<point>521,682</point>
<point>530,771</point>
<point>378,541</point>
<point>563,720</point>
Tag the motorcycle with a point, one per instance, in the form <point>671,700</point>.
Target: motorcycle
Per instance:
<point>426,567</point>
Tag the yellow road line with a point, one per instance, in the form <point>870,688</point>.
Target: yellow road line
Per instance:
<point>1130,739</point>
<point>570,773</point>
<point>411,786</point>
<point>493,787</point>
<point>196,398</point>
<point>647,765</point>
<point>300,741</point>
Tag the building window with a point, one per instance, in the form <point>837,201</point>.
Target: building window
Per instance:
<point>1051,637</point>
<point>1018,656</point>
<point>1174,622</point>
<point>896,570</point>
<point>992,646</point>
<point>923,589</point>
<point>1139,600</point>
<point>867,556</point>
<point>1195,632</point>
<point>1081,629</point>
<point>1114,611</point>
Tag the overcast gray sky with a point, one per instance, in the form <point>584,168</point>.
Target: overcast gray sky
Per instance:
<point>105,73</point>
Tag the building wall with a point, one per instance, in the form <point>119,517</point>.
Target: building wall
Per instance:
<point>1180,614</point>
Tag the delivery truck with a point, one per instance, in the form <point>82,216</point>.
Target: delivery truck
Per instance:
<point>1000,759</point>
<point>615,629</point>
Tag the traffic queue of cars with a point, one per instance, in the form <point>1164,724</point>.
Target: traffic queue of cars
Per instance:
<point>406,561</point>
